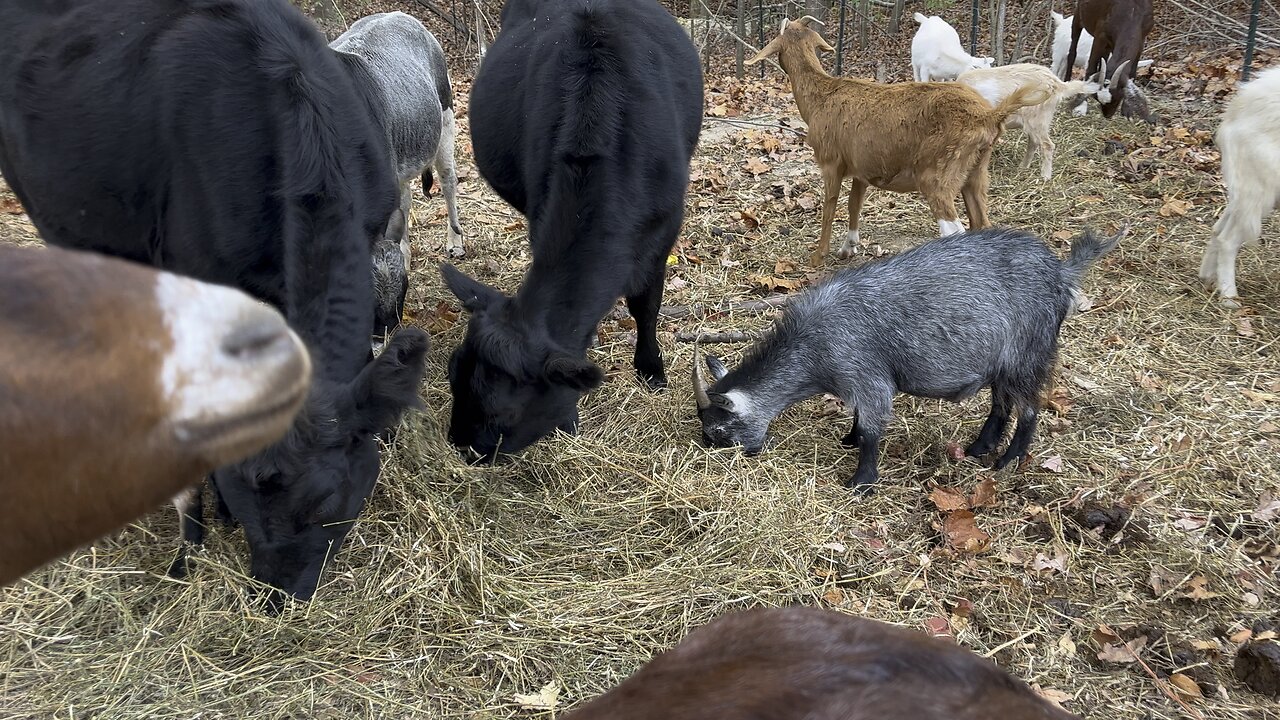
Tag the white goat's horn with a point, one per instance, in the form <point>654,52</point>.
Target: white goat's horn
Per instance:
<point>1102,73</point>
<point>1119,73</point>
<point>699,382</point>
<point>810,19</point>
<point>783,29</point>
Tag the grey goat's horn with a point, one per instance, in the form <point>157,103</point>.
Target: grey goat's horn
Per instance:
<point>699,381</point>
<point>1118,74</point>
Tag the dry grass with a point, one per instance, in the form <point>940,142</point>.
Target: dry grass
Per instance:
<point>461,586</point>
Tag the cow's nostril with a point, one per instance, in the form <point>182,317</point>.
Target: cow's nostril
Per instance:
<point>254,337</point>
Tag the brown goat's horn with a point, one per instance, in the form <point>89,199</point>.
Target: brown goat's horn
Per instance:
<point>810,19</point>
<point>699,382</point>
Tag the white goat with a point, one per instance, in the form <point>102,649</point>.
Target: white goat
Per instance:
<point>997,83</point>
<point>1061,46</point>
<point>1249,139</point>
<point>936,52</point>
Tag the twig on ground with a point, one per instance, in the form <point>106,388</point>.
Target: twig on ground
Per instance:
<point>729,336</point>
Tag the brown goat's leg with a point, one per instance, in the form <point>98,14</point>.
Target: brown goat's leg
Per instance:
<point>857,192</point>
<point>943,206</point>
<point>832,179</point>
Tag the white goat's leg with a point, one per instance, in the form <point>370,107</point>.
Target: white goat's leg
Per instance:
<point>1237,227</point>
<point>1047,148</point>
<point>857,192</point>
<point>446,166</point>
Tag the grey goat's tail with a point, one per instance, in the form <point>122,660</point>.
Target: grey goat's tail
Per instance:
<point>1086,248</point>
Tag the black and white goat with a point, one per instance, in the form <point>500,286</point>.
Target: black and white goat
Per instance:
<point>942,320</point>
<point>402,63</point>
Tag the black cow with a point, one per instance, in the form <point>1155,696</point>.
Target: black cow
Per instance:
<point>584,116</point>
<point>224,140</point>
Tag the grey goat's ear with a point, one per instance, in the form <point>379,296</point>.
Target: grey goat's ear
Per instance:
<point>717,368</point>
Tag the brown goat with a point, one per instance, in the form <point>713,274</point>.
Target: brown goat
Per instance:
<point>810,664</point>
<point>935,138</point>
<point>1119,29</point>
<point>120,386</point>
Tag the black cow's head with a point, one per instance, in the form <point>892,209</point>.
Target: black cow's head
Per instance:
<point>512,384</point>
<point>298,499</point>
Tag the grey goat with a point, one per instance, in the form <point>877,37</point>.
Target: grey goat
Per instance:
<point>393,54</point>
<point>942,320</point>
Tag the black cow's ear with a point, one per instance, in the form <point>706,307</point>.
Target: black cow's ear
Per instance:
<point>474,294</point>
<point>388,385</point>
<point>578,373</point>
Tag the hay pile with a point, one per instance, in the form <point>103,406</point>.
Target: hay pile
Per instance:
<point>462,588</point>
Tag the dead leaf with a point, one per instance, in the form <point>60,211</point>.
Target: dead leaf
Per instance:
<point>1241,636</point>
<point>938,626</point>
<point>1244,328</point>
<point>1199,589</point>
<point>833,596</point>
<point>1260,397</point>
<point>948,499</point>
<point>1124,652</point>
<point>1163,580</point>
<point>1189,523</point>
<point>1063,235</point>
<point>749,219</point>
<point>783,266</point>
<point>514,225</point>
<point>984,495</point>
<point>1057,697</point>
<point>442,318</point>
<point>548,698</point>
<point>1066,644</point>
<point>1053,463</point>
<point>1104,634</point>
<point>756,166</point>
<point>1185,685</point>
<point>955,451</point>
<point>10,206</point>
<point>1043,562</point>
<point>1268,508</point>
<point>963,534</point>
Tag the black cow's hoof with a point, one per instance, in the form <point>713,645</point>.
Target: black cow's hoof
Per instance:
<point>656,383</point>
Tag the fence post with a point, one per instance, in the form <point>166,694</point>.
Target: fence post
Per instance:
<point>742,32</point>
<point>1250,40</point>
<point>864,24</point>
<point>973,30</point>
<point>760,29</point>
<point>840,40</point>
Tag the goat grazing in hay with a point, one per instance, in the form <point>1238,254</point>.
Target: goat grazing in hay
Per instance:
<point>942,320</point>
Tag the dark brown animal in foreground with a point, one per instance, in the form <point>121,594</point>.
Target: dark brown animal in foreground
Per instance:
<point>1119,29</point>
<point>810,664</point>
<point>120,386</point>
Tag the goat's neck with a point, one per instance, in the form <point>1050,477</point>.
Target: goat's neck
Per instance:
<point>809,82</point>
<point>773,378</point>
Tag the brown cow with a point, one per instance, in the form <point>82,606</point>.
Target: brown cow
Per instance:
<point>120,386</point>
<point>804,663</point>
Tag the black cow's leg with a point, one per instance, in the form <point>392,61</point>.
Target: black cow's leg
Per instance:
<point>644,309</point>
<point>221,512</point>
<point>190,506</point>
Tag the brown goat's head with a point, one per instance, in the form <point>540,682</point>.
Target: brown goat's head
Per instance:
<point>795,34</point>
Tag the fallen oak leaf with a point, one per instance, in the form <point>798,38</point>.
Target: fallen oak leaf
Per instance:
<point>1185,685</point>
<point>1199,589</point>
<point>984,495</point>
<point>1057,697</point>
<point>1122,653</point>
<point>1268,508</point>
<point>963,534</point>
<point>948,499</point>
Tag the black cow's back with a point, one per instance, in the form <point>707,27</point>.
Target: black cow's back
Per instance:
<point>199,136</point>
<point>623,118</point>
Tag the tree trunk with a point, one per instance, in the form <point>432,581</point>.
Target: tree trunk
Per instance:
<point>864,22</point>
<point>820,9</point>
<point>895,20</point>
